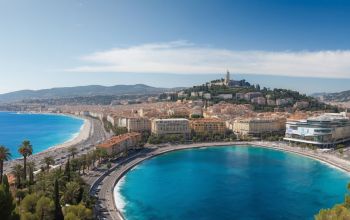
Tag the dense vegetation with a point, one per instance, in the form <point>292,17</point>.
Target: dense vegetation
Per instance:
<point>54,193</point>
<point>338,212</point>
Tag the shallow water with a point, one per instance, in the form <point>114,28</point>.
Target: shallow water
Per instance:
<point>43,130</point>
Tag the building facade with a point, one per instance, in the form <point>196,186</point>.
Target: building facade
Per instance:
<point>208,125</point>
<point>138,124</point>
<point>170,126</point>
<point>121,143</point>
<point>325,130</point>
<point>258,126</point>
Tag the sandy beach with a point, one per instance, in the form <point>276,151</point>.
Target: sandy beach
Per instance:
<point>83,141</point>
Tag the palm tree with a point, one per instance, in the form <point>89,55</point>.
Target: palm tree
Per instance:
<point>31,167</point>
<point>25,150</point>
<point>73,151</point>
<point>18,171</point>
<point>5,155</point>
<point>48,161</point>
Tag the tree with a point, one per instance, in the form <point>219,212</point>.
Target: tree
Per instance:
<point>5,155</point>
<point>48,161</point>
<point>20,195</point>
<point>28,204</point>
<point>31,167</point>
<point>67,170</point>
<point>25,150</point>
<point>58,210</point>
<point>7,206</point>
<point>45,208</point>
<point>71,193</point>
<point>73,151</point>
<point>78,212</point>
<point>17,170</point>
<point>340,211</point>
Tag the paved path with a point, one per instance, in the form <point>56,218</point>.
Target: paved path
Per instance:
<point>104,185</point>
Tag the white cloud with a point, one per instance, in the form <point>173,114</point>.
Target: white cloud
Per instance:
<point>183,57</point>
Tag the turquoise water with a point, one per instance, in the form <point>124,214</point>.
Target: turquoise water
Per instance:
<point>229,183</point>
<point>43,130</point>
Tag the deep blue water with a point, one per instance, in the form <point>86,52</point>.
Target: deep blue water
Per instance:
<point>43,130</point>
<point>230,183</point>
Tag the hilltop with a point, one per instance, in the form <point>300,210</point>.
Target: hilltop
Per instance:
<point>243,92</point>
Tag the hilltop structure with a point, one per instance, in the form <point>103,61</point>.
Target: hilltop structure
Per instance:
<point>227,81</point>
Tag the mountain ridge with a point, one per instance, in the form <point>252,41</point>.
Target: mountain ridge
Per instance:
<point>343,96</point>
<point>81,91</point>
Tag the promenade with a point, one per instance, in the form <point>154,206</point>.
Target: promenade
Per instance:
<point>103,186</point>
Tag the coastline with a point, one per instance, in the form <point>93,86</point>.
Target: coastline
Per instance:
<point>81,135</point>
<point>116,173</point>
<point>57,151</point>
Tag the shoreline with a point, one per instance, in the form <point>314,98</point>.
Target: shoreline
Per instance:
<point>83,134</point>
<point>120,170</point>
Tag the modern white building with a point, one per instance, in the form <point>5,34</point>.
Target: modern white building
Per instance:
<point>325,130</point>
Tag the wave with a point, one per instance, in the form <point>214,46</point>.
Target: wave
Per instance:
<point>118,198</point>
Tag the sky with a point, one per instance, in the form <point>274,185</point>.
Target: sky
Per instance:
<point>302,45</point>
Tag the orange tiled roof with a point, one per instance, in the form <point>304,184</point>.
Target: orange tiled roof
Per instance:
<point>118,139</point>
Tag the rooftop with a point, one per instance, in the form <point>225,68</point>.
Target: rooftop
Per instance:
<point>118,139</point>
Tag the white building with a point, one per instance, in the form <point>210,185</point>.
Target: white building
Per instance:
<point>258,100</point>
<point>170,126</point>
<point>325,130</point>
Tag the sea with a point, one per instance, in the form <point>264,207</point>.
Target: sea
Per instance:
<point>42,130</point>
<point>233,182</point>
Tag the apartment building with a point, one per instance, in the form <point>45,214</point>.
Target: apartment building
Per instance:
<point>121,143</point>
<point>257,126</point>
<point>207,125</point>
<point>170,126</point>
<point>138,124</point>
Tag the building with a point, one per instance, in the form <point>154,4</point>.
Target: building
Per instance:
<point>138,124</point>
<point>239,96</point>
<point>285,101</point>
<point>170,126</point>
<point>258,100</point>
<point>248,96</point>
<point>301,104</point>
<point>194,94</point>
<point>325,130</point>
<point>182,94</point>
<point>225,96</point>
<point>208,125</point>
<point>227,78</point>
<point>207,95</point>
<point>258,126</point>
<point>121,143</point>
<point>271,102</point>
